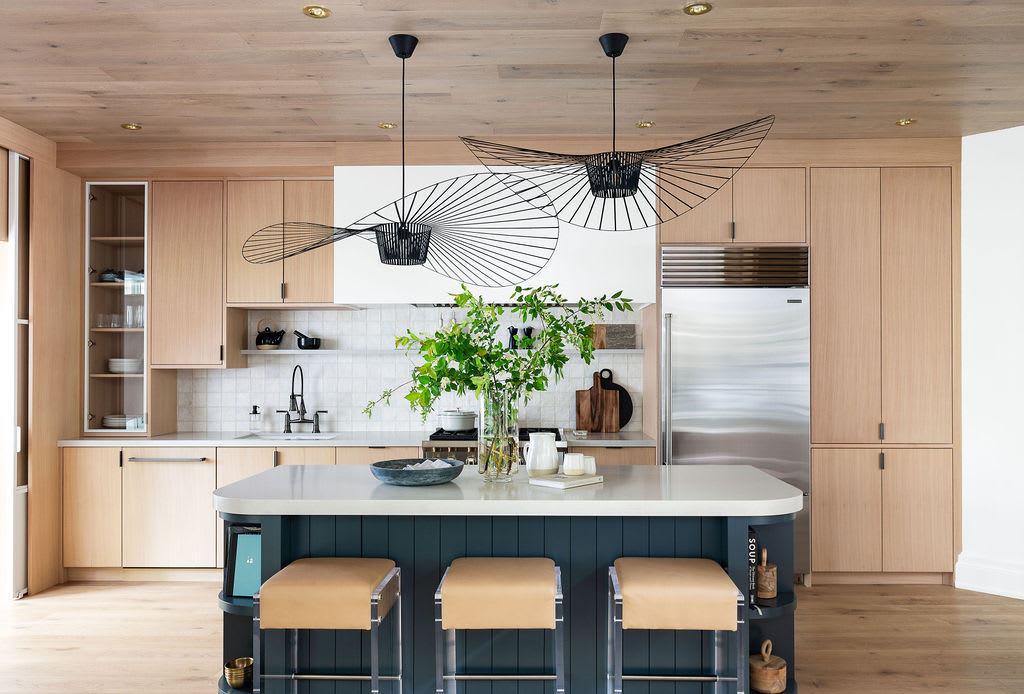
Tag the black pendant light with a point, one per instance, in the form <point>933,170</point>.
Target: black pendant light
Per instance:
<point>491,230</point>
<point>621,191</point>
<point>401,242</point>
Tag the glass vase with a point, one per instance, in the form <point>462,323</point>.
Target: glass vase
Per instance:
<point>498,443</point>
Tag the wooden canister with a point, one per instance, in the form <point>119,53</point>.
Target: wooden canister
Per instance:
<point>767,578</point>
<point>767,671</point>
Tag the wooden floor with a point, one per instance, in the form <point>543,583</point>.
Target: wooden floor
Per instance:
<point>165,637</point>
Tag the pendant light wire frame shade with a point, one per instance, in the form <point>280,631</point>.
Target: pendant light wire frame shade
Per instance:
<point>587,192</point>
<point>402,243</point>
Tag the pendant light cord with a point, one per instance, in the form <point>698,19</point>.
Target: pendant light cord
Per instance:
<point>402,218</point>
<point>613,105</point>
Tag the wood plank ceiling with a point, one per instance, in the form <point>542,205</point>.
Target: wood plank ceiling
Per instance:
<point>259,70</point>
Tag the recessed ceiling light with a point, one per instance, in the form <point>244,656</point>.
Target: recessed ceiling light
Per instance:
<point>906,121</point>
<point>387,125</point>
<point>132,126</point>
<point>645,124</point>
<point>316,11</point>
<point>698,8</point>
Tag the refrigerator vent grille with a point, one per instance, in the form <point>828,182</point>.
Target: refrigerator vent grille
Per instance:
<point>734,266</point>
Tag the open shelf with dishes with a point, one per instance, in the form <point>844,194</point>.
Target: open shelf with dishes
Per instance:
<point>115,307</point>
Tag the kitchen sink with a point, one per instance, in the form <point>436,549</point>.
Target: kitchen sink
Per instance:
<point>278,436</point>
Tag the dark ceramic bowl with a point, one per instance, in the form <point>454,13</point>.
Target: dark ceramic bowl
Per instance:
<point>394,472</point>
<point>308,342</point>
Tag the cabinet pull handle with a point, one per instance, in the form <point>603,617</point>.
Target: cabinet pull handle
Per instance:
<point>881,460</point>
<point>376,446</point>
<point>120,458</point>
<point>732,230</point>
<point>221,357</point>
<point>275,458</point>
<point>167,460</point>
<point>282,291</point>
<point>881,431</point>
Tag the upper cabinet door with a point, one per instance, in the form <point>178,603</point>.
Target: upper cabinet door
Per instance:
<point>252,205</point>
<point>309,277</point>
<point>187,273</point>
<point>770,206</point>
<point>708,222</point>
<point>917,349</point>
<point>845,314</point>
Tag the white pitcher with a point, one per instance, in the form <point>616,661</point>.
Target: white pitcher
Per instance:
<point>541,454</point>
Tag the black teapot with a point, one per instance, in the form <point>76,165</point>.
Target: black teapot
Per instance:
<point>267,338</point>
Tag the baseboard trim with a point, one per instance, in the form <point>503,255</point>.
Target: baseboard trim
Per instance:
<point>995,577</point>
<point>116,573</point>
<point>823,578</point>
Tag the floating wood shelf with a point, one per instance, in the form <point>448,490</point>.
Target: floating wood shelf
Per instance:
<point>116,375</point>
<point>311,352</point>
<point>119,240</point>
<point>117,330</point>
<point>121,285</point>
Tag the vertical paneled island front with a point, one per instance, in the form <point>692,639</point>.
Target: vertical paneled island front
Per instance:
<point>680,511</point>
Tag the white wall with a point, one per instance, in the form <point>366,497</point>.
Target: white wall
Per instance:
<point>343,382</point>
<point>993,363</point>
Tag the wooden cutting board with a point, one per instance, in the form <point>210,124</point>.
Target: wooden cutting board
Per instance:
<point>597,408</point>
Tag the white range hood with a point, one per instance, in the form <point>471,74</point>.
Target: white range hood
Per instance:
<point>586,263</point>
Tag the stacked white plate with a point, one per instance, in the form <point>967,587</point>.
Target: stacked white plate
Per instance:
<point>124,366</point>
<point>122,421</point>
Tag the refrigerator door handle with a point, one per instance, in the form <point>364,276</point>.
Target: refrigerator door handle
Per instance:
<point>666,389</point>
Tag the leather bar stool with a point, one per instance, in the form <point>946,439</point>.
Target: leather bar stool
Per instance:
<point>679,594</point>
<point>330,593</point>
<point>498,593</point>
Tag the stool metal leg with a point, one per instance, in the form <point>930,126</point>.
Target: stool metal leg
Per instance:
<point>718,659</point>
<point>295,658</point>
<point>374,650</point>
<point>559,635</point>
<point>742,646</point>
<point>439,640</point>
<point>257,672</point>
<point>615,626</point>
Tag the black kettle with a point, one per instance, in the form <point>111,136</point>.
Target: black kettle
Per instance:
<point>267,338</point>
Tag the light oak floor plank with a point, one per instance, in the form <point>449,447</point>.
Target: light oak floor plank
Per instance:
<point>165,637</point>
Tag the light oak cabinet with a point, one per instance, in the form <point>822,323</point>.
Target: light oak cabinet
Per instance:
<point>252,205</point>
<point>187,274</point>
<point>881,306</point>
<point>311,455</point>
<point>92,507</point>
<point>168,519</point>
<point>366,455</point>
<point>757,206</point>
<point>882,510</point>
<point>234,464</point>
<point>622,455</point>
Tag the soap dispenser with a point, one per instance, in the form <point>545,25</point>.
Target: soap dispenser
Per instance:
<point>255,420</point>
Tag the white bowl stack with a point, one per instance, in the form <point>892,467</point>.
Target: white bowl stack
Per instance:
<point>124,366</point>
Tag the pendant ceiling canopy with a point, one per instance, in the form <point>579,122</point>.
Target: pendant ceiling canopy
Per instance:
<point>623,191</point>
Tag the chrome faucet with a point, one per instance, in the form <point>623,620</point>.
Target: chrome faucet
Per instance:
<point>297,404</point>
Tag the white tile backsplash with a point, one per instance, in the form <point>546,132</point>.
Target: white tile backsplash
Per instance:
<point>343,382</point>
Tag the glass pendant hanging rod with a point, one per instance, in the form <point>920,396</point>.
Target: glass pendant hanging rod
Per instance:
<point>402,218</point>
<point>613,106</point>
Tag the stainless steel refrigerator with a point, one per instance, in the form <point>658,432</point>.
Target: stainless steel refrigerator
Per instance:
<point>736,365</point>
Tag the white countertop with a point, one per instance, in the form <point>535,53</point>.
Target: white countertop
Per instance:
<point>216,439</point>
<point>342,490</point>
<point>242,439</point>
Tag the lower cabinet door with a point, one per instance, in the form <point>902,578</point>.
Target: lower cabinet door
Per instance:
<point>846,517</point>
<point>234,464</point>
<point>167,519</point>
<point>318,455</point>
<point>92,507</point>
<point>917,510</point>
<point>628,455</point>
<point>365,455</point>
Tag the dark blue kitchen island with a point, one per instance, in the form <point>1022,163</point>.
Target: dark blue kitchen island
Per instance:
<point>693,511</point>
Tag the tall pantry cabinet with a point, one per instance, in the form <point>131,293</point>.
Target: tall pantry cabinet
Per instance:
<point>882,369</point>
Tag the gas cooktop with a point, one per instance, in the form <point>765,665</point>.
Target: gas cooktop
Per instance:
<point>471,434</point>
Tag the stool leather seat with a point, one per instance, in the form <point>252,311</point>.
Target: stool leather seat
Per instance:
<point>670,593</point>
<point>322,593</point>
<point>499,593</point>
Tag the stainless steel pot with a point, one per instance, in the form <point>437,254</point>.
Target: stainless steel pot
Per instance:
<point>457,420</point>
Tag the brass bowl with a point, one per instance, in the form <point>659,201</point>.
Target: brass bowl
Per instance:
<point>238,673</point>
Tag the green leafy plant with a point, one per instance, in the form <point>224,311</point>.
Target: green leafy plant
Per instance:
<point>469,355</point>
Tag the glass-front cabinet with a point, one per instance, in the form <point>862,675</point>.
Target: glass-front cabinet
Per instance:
<point>115,307</point>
